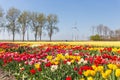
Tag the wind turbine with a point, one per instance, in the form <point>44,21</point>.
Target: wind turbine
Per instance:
<point>75,33</point>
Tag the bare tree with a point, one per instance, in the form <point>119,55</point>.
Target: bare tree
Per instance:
<point>51,26</point>
<point>106,31</point>
<point>111,34</point>
<point>1,12</point>
<point>2,20</point>
<point>100,29</point>
<point>12,17</point>
<point>103,31</point>
<point>117,34</point>
<point>23,21</point>
<point>41,21</point>
<point>93,30</point>
<point>34,24</point>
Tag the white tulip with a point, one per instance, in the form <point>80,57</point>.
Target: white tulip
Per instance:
<point>69,63</point>
<point>82,60</point>
<point>66,54</point>
<point>54,67</point>
<point>79,62</point>
<point>85,62</point>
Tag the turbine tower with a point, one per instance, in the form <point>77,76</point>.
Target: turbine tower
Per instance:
<point>75,32</point>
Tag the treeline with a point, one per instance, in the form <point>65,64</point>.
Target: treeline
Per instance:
<point>102,32</point>
<point>16,21</point>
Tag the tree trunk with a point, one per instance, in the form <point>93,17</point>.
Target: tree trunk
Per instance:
<point>23,36</point>
<point>50,38</point>
<point>40,36</point>
<point>28,34</point>
<point>51,31</point>
<point>40,33</point>
<point>36,35</point>
<point>23,31</point>
<point>13,36</point>
<point>13,31</point>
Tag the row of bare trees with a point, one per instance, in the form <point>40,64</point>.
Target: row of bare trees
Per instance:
<point>16,21</point>
<point>105,32</point>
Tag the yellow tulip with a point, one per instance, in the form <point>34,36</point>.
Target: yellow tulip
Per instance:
<point>94,67</point>
<point>36,65</point>
<point>90,78</point>
<point>117,72</point>
<point>78,58</point>
<point>108,72</point>
<point>72,61</point>
<point>112,66</point>
<point>56,62</point>
<point>104,75</point>
<point>57,58</point>
<point>71,57</point>
<point>82,79</point>
<point>59,55</point>
<point>52,61</point>
<point>92,72</point>
<point>63,57</point>
<point>86,73</point>
<point>115,67</point>
<point>100,68</point>
<point>49,57</point>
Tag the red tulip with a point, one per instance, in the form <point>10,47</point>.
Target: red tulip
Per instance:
<point>75,68</point>
<point>68,78</point>
<point>48,64</point>
<point>32,71</point>
<point>80,72</point>
<point>39,69</point>
<point>65,61</point>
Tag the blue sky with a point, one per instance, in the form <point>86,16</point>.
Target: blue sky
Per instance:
<point>83,13</point>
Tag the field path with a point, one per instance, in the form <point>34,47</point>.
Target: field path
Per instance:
<point>4,75</point>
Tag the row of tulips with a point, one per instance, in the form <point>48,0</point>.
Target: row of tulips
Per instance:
<point>60,62</point>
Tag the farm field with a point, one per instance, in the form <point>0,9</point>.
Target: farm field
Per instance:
<point>94,43</point>
<point>52,40</point>
<point>85,60</point>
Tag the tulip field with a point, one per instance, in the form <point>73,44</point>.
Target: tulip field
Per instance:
<point>61,60</point>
